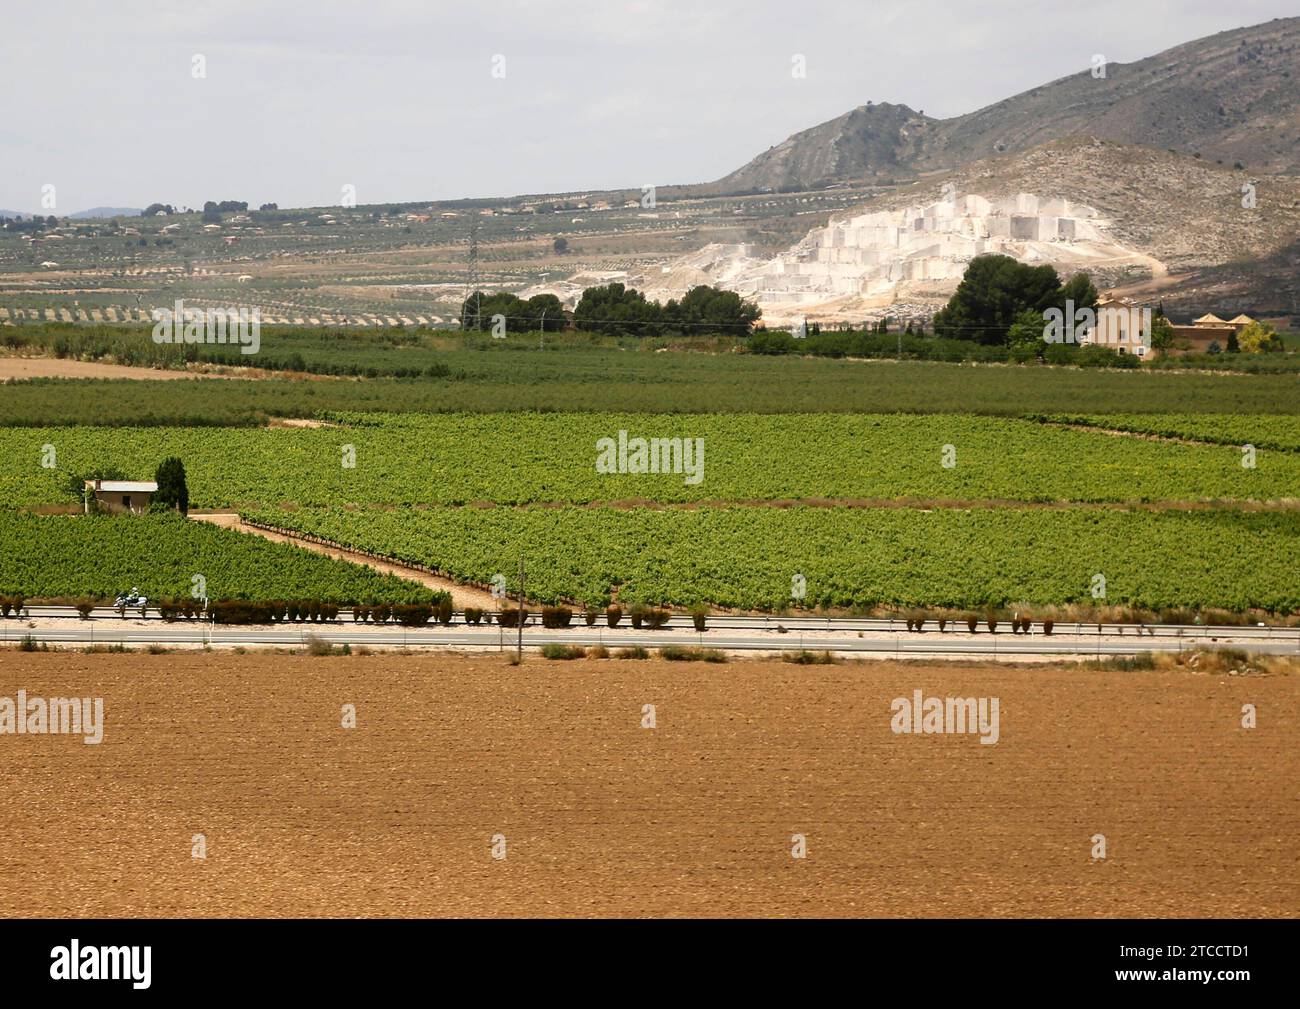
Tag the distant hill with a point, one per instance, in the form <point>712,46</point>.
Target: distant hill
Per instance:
<point>107,212</point>
<point>1232,98</point>
<point>94,213</point>
<point>1184,212</point>
<point>1197,234</point>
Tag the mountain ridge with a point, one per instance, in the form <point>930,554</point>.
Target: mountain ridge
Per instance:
<point>1233,98</point>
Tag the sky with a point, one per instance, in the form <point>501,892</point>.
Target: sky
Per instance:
<point>409,101</point>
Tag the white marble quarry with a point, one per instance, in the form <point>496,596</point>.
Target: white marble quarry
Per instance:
<point>869,256</point>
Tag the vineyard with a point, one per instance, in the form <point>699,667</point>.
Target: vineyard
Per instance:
<point>97,556</point>
<point>455,459</point>
<point>745,557</point>
<point>1264,432</point>
<point>872,509</point>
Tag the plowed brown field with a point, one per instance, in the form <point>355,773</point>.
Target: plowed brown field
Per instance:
<point>603,817</point>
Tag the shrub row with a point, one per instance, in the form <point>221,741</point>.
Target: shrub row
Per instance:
<point>1019,625</point>
<point>178,607</point>
<point>265,611</point>
<point>641,616</point>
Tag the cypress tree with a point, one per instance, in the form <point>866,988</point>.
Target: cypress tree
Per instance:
<point>172,491</point>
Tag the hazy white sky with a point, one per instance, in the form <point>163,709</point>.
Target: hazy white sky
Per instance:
<point>398,98</point>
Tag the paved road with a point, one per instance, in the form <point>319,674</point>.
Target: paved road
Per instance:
<point>80,632</point>
<point>836,624</point>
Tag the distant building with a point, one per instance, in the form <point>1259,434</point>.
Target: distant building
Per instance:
<point>120,495</point>
<point>1207,331</point>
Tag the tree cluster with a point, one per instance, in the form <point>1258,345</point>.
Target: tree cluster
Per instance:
<point>616,310</point>
<point>1001,301</point>
<point>482,312</point>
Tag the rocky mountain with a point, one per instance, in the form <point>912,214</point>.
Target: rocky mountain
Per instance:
<point>1231,99</point>
<point>869,142</point>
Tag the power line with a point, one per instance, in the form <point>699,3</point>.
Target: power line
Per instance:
<point>471,280</point>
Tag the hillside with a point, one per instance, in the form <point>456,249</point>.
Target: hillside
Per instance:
<point>870,141</point>
<point>1229,98</point>
<point>1154,223</point>
<point>1182,210</point>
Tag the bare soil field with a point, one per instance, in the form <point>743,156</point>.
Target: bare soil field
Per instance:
<point>63,367</point>
<point>56,367</point>
<point>600,816</point>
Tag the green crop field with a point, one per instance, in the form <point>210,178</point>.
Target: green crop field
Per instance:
<point>551,458</point>
<point>746,557</point>
<point>1263,432</point>
<point>604,379</point>
<point>884,483</point>
<point>56,556</point>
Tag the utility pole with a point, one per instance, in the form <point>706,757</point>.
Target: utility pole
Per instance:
<point>471,281</point>
<point>519,654</point>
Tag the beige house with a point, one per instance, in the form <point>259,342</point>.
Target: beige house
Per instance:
<point>120,495</point>
<point>1122,325</point>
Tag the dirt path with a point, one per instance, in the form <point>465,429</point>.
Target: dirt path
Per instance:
<point>462,595</point>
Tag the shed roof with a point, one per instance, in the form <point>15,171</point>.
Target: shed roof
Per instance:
<point>124,486</point>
